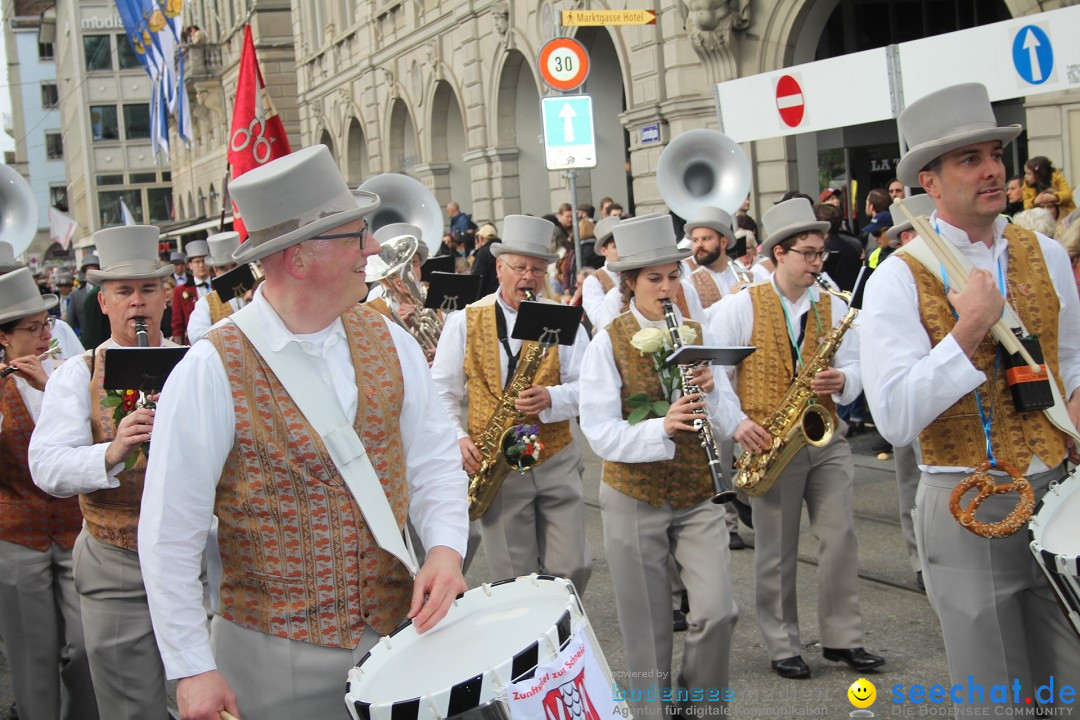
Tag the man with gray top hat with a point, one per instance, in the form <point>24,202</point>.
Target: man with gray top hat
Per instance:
<point>786,319</point>
<point>937,376</point>
<point>536,522</point>
<point>180,271</point>
<point>87,443</point>
<point>314,568</point>
<point>597,285</point>
<point>209,308</point>
<point>77,299</point>
<point>185,296</point>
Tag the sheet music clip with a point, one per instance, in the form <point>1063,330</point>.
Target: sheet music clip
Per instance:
<point>702,355</point>
<point>137,368</point>
<point>449,292</point>
<point>549,323</point>
<point>439,263</point>
<point>234,283</point>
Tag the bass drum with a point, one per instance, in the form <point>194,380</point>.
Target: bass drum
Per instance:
<point>1055,542</point>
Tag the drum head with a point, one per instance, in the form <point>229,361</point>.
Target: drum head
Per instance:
<point>484,631</point>
<point>1061,533</point>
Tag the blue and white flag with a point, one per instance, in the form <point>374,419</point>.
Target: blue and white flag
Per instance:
<point>125,213</point>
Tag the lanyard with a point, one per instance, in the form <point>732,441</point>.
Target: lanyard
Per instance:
<point>792,335</point>
<point>511,357</point>
<point>985,416</point>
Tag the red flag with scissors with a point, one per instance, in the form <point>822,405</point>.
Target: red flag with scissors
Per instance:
<point>257,135</point>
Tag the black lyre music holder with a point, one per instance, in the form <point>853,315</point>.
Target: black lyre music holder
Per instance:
<point>449,292</point>
<point>700,354</point>
<point>234,283</point>
<point>439,263</point>
<point>547,323</point>
<point>142,369</point>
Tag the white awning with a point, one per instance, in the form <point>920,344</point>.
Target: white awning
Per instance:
<point>197,227</point>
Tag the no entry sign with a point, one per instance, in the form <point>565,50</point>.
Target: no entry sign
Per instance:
<point>789,100</point>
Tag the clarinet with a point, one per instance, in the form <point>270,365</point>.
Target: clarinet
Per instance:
<point>723,492</point>
<point>142,339</point>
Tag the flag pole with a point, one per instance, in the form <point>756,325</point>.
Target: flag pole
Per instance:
<point>224,199</point>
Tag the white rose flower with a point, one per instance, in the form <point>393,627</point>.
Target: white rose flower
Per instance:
<point>649,340</point>
<point>688,335</point>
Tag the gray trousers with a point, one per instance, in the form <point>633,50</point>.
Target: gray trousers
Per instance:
<point>906,458</point>
<point>129,679</point>
<point>823,478</point>
<point>997,611</point>
<point>638,539</point>
<point>280,679</point>
<point>42,629</point>
<point>537,522</point>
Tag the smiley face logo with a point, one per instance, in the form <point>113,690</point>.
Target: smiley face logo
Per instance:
<point>862,693</point>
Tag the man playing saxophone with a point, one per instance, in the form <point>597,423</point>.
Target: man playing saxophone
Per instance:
<point>786,319</point>
<point>536,519</point>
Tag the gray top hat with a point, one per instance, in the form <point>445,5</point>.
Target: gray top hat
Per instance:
<point>918,205</point>
<point>91,259</point>
<point>177,257</point>
<point>19,296</point>
<point>788,218</point>
<point>293,199</point>
<point>63,278</point>
<point>714,218</point>
<point>950,118</point>
<point>7,258</point>
<point>603,230</point>
<point>197,248</point>
<point>526,235</point>
<point>222,246</point>
<point>646,240</point>
<point>128,252</point>
<point>394,230</point>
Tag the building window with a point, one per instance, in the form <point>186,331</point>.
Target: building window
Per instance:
<point>45,51</point>
<point>54,146</point>
<point>50,98</point>
<point>109,206</point>
<point>110,179</point>
<point>125,54</point>
<point>137,122</point>
<point>159,200</point>
<point>58,197</point>
<point>97,52</point>
<point>143,178</point>
<point>103,123</point>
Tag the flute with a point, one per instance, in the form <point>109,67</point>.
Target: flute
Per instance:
<point>10,370</point>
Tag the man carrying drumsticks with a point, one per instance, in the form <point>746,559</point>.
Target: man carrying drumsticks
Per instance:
<point>310,576</point>
<point>933,371</point>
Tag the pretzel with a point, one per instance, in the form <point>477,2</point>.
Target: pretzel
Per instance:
<point>988,486</point>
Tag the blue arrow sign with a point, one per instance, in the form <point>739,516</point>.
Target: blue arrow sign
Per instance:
<point>1032,54</point>
<point>569,139</point>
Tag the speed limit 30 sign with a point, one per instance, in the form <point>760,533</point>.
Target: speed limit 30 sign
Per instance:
<point>564,64</point>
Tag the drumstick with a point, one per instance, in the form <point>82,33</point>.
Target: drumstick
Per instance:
<point>958,279</point>
<point>226,715</point>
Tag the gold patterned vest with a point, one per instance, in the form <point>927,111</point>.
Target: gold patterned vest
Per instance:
<point>298,560</point>
<point>112,516</point>
<point>606,283</point>
<point>28,516</point>
<point>483,370</point>
<point>764,377</point>
<point>683,481</point>
<point>218,309</point>
<point>956,438</point>
<point>706,287</point>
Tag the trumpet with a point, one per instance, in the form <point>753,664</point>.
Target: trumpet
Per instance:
<point>722,490</point>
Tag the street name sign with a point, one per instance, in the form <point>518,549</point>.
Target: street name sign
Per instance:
<point>597,18</point>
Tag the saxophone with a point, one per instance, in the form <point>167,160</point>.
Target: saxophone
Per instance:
<point>488,478</point>
<point>799,420</point>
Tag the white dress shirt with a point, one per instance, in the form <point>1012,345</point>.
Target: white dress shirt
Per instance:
<point>64,460</point>
<point>612,306</point>
<point>592,293</point>
<point>199,322</point>
<point>448,370</point>
<point>733,324</point>
<point>202,287</point>
<point>615,439</point>
<point>178,508</point>
<point>66,339</point>
<point>908,383</point>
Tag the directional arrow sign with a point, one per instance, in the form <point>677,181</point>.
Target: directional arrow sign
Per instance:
<point>1033,56</point>
<point>608,17</point>
<point>569,140</point>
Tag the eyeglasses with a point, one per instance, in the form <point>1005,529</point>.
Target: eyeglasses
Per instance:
<point>526,270</point>
<point>812,255</point>
<point>358,235</point>
<point>35,329</point>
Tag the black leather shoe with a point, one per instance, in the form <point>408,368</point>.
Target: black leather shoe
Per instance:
<point>735,542</point>
<point>919,581</point>
<point>746,514</point>
<point>856,658</point>
<point>792,667</point>
<point>856,427</point>
<point>678,622</point>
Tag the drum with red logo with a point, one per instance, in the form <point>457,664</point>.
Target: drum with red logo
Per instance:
<point>520,648</point>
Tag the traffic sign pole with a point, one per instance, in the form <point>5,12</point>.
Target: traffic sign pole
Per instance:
<point>572,176</point>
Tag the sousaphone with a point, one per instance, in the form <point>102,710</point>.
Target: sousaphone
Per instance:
<point>703,168</point>
<point>18,210</point>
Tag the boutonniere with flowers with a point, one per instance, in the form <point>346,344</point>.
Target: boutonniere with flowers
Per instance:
<point>656,343</point>
<point>187,295</point>
<point>123,403</point>
<point>522,447</point>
